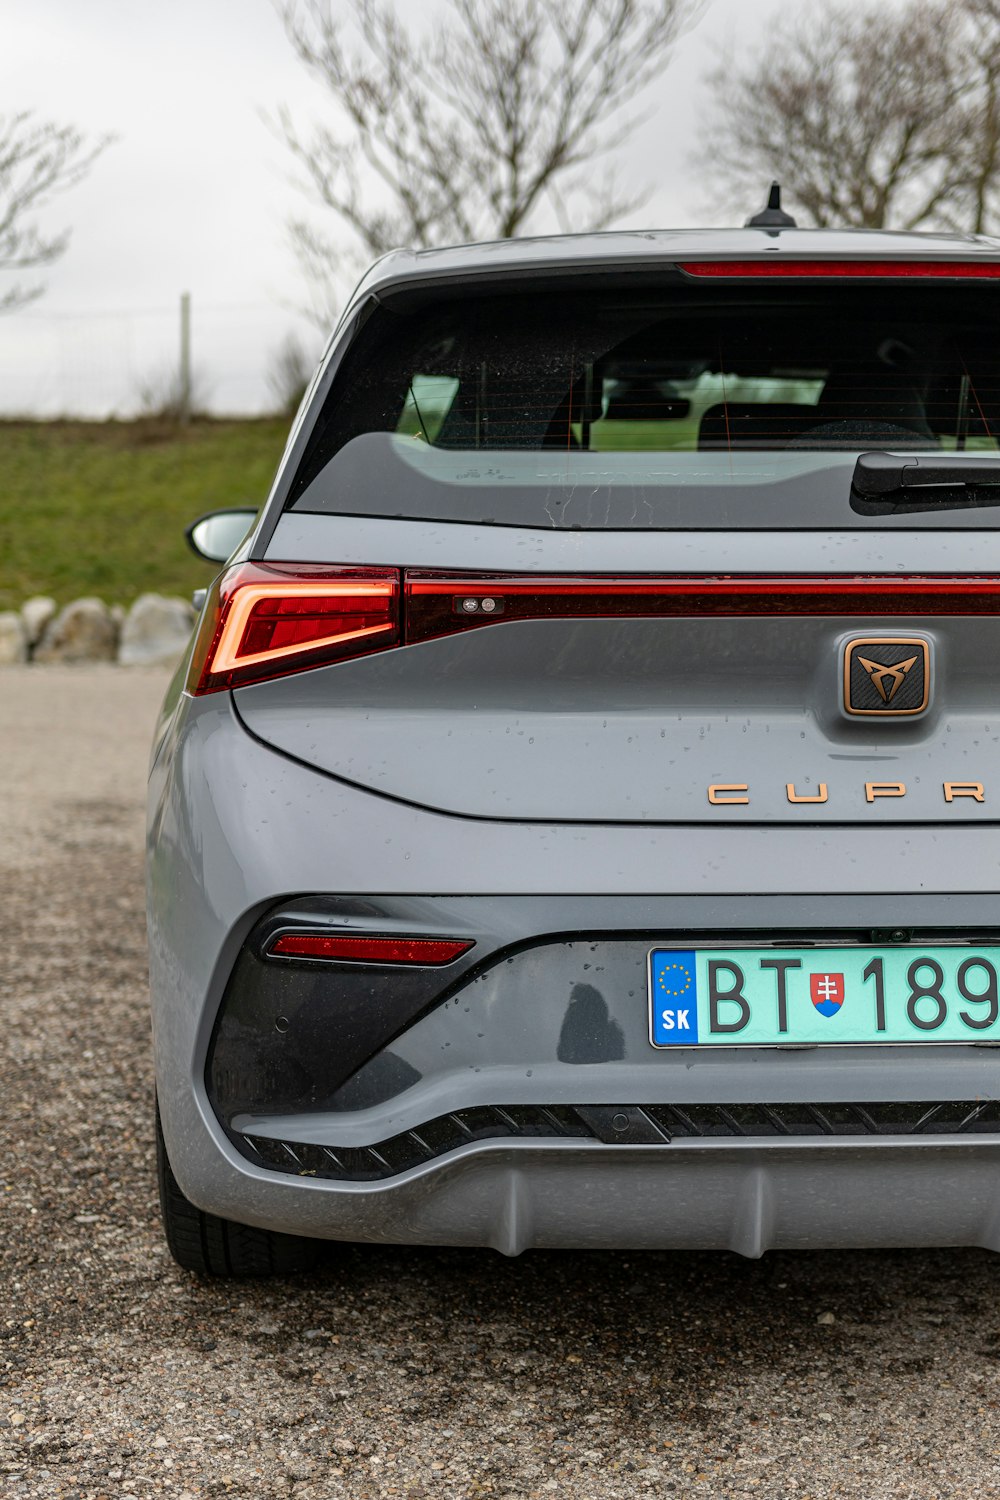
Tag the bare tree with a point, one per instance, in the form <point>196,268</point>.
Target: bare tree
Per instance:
<point>469,129</point>
<point>975,145</point>
<point>871,117</point>
<point>38,159</point>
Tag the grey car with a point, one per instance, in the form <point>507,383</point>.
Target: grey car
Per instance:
<point>576,822</point>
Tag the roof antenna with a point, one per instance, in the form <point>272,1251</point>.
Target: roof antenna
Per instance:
<point>773,216</point>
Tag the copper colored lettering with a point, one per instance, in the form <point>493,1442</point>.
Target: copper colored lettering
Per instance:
<point>793,795</point>
<point>974,789</point>
<point>875,789</point>
<point>721,795</point>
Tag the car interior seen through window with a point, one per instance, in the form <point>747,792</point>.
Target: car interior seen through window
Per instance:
<point>845,368</point>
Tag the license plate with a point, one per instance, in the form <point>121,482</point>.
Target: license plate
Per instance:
<point>772,997</point>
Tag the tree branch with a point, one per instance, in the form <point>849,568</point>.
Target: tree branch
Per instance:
<point>469,128</point>
<point>37,160</point>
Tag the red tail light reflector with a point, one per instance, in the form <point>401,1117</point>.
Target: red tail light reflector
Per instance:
<point>776,266</point>
<point>430,952</point>
<point>265,620</point>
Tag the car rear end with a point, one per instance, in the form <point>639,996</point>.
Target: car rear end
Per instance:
<point>576,823</point>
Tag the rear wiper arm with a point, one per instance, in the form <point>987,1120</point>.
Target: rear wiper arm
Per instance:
<point>888,484</point>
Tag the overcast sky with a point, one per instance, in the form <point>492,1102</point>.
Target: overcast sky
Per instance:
<point>194,193</point>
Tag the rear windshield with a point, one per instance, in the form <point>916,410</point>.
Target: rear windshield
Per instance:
<point>682,388</point>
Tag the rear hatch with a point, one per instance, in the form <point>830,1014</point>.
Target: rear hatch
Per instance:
<point>637,576</point>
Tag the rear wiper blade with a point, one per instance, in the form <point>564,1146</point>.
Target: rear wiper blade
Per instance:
<point>889,484</point>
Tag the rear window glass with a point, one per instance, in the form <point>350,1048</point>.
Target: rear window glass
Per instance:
<point>768,377</point>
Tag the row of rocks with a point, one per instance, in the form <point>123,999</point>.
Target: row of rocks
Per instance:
<point>154,631</point>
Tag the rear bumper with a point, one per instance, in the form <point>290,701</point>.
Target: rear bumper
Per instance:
<point>734,1196</point>
<point>237,829</point>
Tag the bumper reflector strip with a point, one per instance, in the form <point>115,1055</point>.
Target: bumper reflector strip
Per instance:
<point>429,952</point>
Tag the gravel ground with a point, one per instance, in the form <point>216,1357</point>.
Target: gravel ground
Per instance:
<point>390,1371</point>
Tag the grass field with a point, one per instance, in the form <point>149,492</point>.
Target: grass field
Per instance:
<point>100,508</point>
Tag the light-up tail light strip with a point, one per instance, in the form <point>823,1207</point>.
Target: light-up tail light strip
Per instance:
<point>265,621</point>
<point>775,265</point>
<point>437,605</point>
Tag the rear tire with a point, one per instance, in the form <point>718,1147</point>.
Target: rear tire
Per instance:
<point>212,1246</point>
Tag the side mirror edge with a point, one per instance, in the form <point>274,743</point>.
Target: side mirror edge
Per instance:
<point>215,536</point>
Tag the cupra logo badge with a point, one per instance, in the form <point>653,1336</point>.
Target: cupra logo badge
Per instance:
<point>887,679</point>
<point>887,676</point>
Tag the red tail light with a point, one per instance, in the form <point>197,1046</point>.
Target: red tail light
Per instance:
<point>438,605</point>
<point>779,267</point>
<point>430,952</point>
<point>265,620</point>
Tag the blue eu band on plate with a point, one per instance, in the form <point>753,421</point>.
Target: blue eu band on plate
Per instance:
<point>769,997</point>
<point>674,997</point>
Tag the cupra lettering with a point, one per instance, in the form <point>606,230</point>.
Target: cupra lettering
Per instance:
<point>739,793</point>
